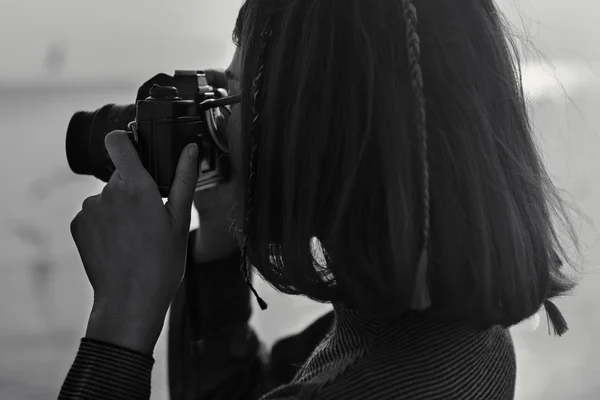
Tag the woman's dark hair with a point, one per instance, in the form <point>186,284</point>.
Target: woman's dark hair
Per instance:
<point>333,113</point>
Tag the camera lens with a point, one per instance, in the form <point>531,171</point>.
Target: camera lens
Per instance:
<point>86,153</point>
<point>77,150</point>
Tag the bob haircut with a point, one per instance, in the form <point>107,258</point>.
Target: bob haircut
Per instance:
<point>338,160</point>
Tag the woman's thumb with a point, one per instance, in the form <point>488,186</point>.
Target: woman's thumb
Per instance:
<point>182,191</point>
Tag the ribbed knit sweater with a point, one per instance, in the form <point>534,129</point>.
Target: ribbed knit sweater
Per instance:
<point>214,354</point>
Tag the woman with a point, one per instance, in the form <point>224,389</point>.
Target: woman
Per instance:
<point>402,148</point>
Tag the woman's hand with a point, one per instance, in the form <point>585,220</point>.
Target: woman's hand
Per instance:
<point>216,237</point>
<point>219,208</point>
<point>133,247</point>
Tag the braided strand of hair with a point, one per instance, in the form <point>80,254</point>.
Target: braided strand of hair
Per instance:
<point>421,299</point>
<point>257,85</point>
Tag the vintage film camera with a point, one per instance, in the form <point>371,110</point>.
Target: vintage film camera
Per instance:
<point>170,112</point>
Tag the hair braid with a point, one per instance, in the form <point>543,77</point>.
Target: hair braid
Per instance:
<point>257,86</point>
<point>421,299</point>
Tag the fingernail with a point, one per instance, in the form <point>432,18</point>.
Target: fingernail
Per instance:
<point>193,150</point>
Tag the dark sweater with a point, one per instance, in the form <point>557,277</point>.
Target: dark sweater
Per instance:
<point>214,354</point>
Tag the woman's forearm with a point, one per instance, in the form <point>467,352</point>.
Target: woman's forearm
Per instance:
<point>213,352</point>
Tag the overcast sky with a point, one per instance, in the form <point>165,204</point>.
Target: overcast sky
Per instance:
<point>114,38</point>
<point>133,39</point>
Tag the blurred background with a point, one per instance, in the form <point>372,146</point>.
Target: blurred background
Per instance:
<point>61,56</point>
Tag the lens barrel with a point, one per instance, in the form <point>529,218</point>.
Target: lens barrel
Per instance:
<point>86,152</point>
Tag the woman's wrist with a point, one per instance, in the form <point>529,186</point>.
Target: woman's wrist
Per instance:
<point>137,330</point>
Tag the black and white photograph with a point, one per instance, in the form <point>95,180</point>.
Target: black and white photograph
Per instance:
<point>300,200</point>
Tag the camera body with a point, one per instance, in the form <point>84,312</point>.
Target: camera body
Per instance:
<point>169,119</point>
<point>170,113</point>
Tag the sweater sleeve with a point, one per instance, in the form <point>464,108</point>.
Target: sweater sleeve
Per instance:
<point>213,351</point>
<point>105,371</point>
